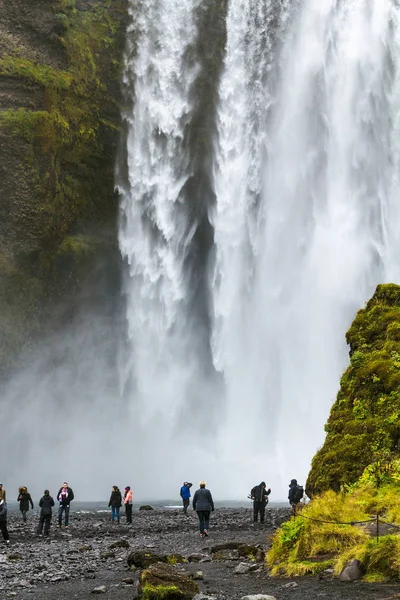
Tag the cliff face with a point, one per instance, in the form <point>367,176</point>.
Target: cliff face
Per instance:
<point>59,91</point>
<point>364,424</point>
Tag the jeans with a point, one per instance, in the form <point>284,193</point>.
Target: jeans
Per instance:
<point>204,519</point>
<point>186,502</point>
<point>4,530</point>
<point>259,507</point>
<point>46,521</point>
<point>128,513</point>
<point>60,513</point>
<point>115,511</point>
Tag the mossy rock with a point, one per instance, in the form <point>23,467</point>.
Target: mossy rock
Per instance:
<point>175,559</point>
<point>142,559</point>
<point>364,424</point>
<point>163,582</point>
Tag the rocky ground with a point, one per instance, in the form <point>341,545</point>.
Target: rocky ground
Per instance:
<point>93,553</point>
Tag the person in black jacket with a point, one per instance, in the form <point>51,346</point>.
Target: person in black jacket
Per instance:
<point>46,504</point>
<point>24,498</point>
<point>115,502</point>
<point>3,521</point>
<point>65,496</point>
<point>259,494</point>
<point>203,504</point>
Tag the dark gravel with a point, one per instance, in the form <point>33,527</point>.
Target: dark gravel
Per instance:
<point>75,560</point>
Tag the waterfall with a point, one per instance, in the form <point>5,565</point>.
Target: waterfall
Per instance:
<point>249,253</point>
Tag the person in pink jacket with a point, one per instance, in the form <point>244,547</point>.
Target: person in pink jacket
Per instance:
<point>128,501</point>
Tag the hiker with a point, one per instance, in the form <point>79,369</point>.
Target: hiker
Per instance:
<point>128,502</point>
<point>46,504</point>
<point>259,494</point>
<point>115,502</point>
<point>185,495</point>
<point>296,493</point>
<point>24,498</point>
<point>203,504</point>
<point>65,496</point>
<point>2,493</point>
<point>3,521</point>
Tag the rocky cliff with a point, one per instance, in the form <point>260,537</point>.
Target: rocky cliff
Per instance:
<point>364,424</point>
<point>60,63</point>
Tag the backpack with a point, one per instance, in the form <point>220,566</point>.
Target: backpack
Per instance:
<point>298,493</point>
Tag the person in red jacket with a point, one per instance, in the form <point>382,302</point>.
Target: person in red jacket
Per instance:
<point>128,503</point>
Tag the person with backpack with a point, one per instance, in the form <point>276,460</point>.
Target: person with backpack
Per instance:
<point>203,504</point>
<point>185,495</point>
<point>46,504</point>
<point>24,499</point>
<point>3,521</point>
<point>65,496</point>
<point>115,502</point>
<point>128,503</point>
<point>296,494</point>
<point>259,494</point>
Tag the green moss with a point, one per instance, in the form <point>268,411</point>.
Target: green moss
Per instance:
<point>364,424</point>
<point>175,559</point>
<point>161,592</point>
<point>19,67</point>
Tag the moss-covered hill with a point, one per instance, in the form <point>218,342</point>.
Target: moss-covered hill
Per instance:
<point>59,90</point>
<point>364,424</point>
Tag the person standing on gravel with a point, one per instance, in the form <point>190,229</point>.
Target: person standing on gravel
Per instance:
<point>24,499</point>
<point>296,494</point>
<point>65,496</point>
<point>3,521</point>
<point>128,503</point>
<point>185,495</point>
<point>2,493</point>
<point>259,494</point>
<point>115,502</point>
<point>203,504</point>
<point>46,504</point>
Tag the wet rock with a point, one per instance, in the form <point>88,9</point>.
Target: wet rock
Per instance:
<point>351,571</point>
<point>142,559</point>
<point>86,548</point>
<point>196,557</point>
<point>119,544</point>
<point>128,580</point>
<point>146,507</point>
<point>107,555</point>
<point>14,556</point>
<point>242,569</point>
<point>258,597</point>
<point>197,575</point>
<point>164,581</point>
<point>101,589</point>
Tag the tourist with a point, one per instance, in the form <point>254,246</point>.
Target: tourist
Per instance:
<point>203,504</point>
<point>65,496</point>
<point>115,503</point>
<point>259,494</point>
<point>3,521</point>
<point>185,495</point>
<point>2,493</point>
<point>128,502</point>
<point>24,499</point>
<point>46,504</point>
<point>296,493</point>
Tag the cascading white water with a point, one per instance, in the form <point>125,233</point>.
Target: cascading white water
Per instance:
<point>306,163</point>
<point>325,233</point>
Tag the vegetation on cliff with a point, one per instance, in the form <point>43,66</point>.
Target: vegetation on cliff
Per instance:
<point>364,424</point>
<point>59,170</point>
<point>314,540</point>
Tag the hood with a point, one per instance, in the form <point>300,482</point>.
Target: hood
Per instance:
<point>293,482</point>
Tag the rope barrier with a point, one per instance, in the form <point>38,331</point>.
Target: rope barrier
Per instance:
<point>338,522</point>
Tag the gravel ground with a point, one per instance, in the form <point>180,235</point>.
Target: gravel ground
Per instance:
<point>73,561</point>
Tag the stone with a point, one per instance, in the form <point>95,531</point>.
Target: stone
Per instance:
<point>164,581</point>
<point>290,585</point>
<point>196,557</point>
<point>119,544</point>
<point>197,575</point>
<point>101,589</point>
<point>86,548</point>
<point>14,556</point>
<point>351,571</point>
<point>142,559</point>
<point>146,507</point>
<point>204,597</point>
<point>242,569</point>
<point>258,597</point>
<point>128,581</point>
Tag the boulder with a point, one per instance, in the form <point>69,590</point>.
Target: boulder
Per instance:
<point>101,589</point>
<point>197,575</point>
<point>146,507</point>
<point>242,569</point>
<point>351,571</point>
<point>163,582</point>
<point>196,557</point>
<point>119,544</point>
<point>142,559</point>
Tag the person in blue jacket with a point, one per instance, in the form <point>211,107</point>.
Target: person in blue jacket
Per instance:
<point>185,495</point>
